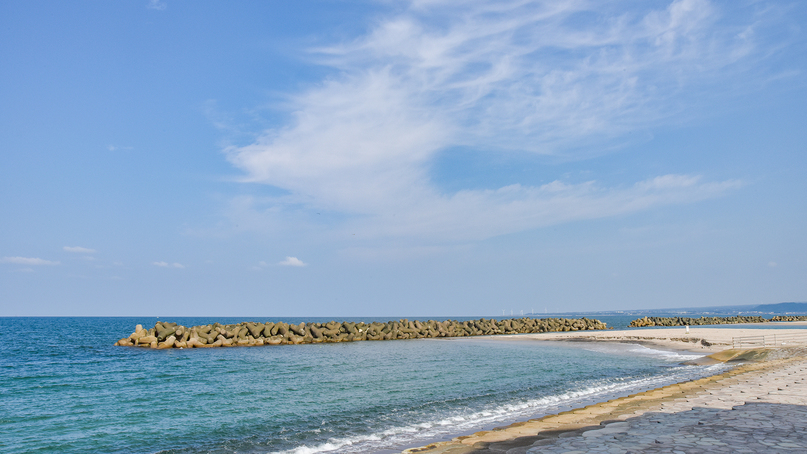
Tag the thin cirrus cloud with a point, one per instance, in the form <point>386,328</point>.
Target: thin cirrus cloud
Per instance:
<point>28,261</point>
<point>79,249</point>
<point>547,78</point>
<point>168,265</point>
<point>292,261</point>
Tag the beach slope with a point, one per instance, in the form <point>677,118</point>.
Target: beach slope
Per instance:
<point>758,406</point>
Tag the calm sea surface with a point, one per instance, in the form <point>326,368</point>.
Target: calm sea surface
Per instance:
<point>66,389</point>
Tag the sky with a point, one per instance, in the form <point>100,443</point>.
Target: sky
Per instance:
<point>400,158</point>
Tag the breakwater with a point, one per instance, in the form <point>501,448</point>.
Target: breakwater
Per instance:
<point>688,321</point>
<point>789,318</point>
<point>172,335</point>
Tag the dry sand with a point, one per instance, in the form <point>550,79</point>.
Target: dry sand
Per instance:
<point>716,339</point>
<point>759,406</point>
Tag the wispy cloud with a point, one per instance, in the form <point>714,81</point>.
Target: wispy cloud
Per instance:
<point>28,261</point>
<point>476,215</point>
<point>156,4</point>
<point>552,78</point>
<point>261,265</point>
<point>292,261</point>
<point>117,147</point>
<point>79,249</point>
<point>167,265</point>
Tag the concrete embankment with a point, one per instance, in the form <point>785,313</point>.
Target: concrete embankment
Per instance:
<point>702,416</point>
<point>172,335</point>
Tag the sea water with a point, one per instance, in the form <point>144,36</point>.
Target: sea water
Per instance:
<point>66,388</point>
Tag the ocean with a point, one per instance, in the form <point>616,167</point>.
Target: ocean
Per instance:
<point>67,389</point>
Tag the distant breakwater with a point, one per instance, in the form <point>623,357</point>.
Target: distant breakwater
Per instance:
<point>172,335</point>
<point>688,321</point>
<point>789,318</point>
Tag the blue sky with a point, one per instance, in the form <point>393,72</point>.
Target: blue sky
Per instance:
<point>432,158</point>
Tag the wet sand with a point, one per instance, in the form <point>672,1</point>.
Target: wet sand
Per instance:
<point>758,406</point>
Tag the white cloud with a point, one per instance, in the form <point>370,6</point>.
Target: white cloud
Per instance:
<point>28,261</point>
<point>773,264</point>
<point>550,78</point>
<point>292,261</point>
<point>116,147</point>
<point>476,215</point>
<point>79,249</point>
<point>156,4</point>
<point>166,264</point>
<point>261,265</point>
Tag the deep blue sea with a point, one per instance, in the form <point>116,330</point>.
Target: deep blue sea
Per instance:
<point>67,389</point>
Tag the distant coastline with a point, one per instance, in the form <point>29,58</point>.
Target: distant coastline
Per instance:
<point>788,308</point>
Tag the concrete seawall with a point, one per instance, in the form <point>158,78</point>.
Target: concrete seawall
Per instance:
<point>758,406</point>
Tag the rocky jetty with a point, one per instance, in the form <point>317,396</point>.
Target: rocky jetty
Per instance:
<point>172,335</point>
<point>789,318</point>
<point>688,321</point>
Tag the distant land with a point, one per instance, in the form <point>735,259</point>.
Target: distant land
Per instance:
<point>749,309</point>
<point>782,307</point>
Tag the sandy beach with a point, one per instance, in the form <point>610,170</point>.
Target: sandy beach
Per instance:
<point>758,406</point>
<point>676,338</point>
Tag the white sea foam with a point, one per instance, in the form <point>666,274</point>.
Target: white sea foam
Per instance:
<point>641,350</point>
<point>457,421</point>
<point>665,354</point>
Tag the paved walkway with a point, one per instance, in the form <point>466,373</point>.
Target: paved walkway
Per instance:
<point>757,407</point>
<point>750,414</point>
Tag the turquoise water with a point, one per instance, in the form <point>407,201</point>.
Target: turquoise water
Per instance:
<point>67,389</point>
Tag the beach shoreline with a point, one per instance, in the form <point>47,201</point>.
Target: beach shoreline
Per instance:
<point>760,381</point>
<point>701,340</point>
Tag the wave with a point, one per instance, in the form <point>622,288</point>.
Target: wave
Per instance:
<point>459,421</point>
<point>664,354</point>
<point>641,350</point>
